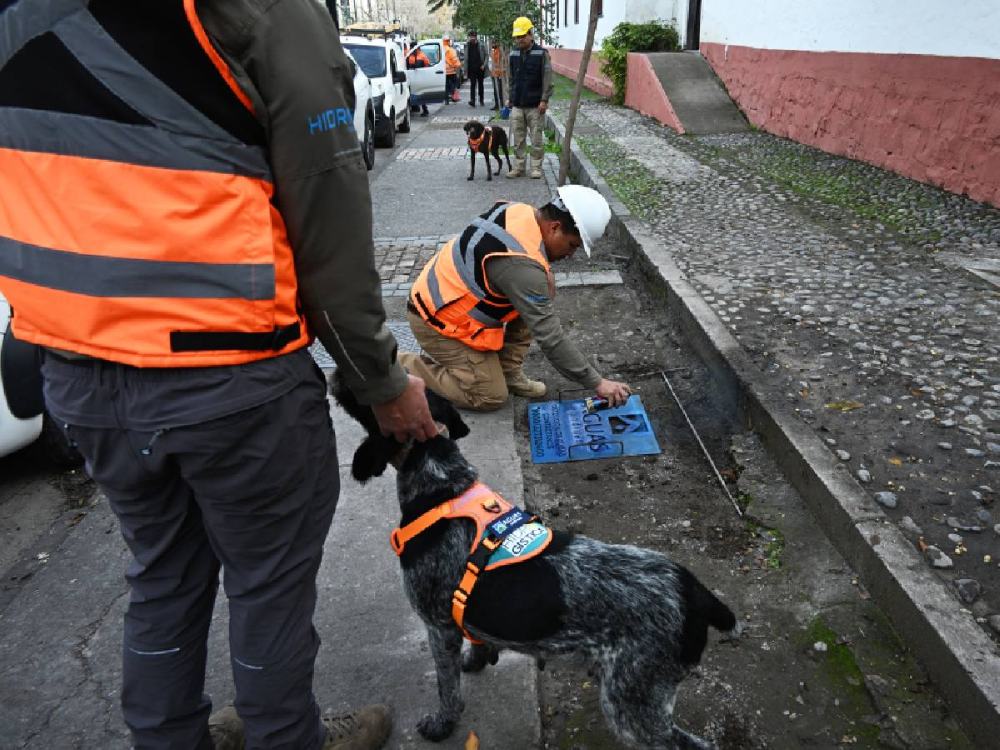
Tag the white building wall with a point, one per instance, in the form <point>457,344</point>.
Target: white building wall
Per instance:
<point>961,28</point>
<point>574,35</point>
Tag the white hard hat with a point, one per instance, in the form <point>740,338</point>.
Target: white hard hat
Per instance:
<point>590,212</point>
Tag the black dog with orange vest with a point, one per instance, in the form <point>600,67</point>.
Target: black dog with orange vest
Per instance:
<point>486,140</point>
<point>642,619</point>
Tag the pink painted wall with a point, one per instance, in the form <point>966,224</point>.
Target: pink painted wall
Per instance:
<point>644,93</point>
<point>567,62</point>
<point>934,119</point>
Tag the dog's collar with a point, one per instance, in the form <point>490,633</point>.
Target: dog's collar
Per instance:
<point>398,459</point>
<point>474,142</point>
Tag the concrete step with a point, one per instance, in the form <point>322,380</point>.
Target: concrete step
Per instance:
<point>698,98</point>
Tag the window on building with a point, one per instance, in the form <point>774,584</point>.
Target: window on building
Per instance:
<point>557,16</point>
<point>565,12</point>
<point>576,11</point>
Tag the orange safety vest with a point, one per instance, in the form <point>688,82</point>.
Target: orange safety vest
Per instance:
<point>452,62</point>
<point>417,56</point>
<point>453,293</point>
<point>505,535</point>
<point>153,244</point>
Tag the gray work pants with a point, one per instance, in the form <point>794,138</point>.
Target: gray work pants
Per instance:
<point>525,121</point>
<point>254,492</point>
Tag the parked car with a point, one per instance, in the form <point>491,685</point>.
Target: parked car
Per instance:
<point>364,113</point>
<point>427,85</point>
<point>23,419</point>
<point>383,63</point>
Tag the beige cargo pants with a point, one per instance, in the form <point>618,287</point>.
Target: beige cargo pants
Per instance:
<point>468,378</point>
<point>522,121</point>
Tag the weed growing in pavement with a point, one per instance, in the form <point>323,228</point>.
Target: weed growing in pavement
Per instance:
<point>552,146</point>
<point>774,540</point>
<point>633,183</point>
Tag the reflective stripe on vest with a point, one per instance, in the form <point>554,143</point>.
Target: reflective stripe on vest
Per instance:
<point>148,244</point>
<point>452,293</point>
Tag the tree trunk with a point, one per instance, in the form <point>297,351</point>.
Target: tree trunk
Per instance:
<point>575,103</point>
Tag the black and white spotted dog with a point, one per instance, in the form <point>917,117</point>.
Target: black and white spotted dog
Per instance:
<point>640,617</point>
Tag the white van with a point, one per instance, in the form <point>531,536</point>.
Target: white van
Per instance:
<point>427,85</point>
<point>383,63</point>
<point>364,113</point>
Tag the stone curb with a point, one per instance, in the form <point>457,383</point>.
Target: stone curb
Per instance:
<point>957,654</point>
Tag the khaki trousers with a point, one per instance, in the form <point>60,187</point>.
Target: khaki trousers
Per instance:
<point>522,121</point>
<point>468,378</point>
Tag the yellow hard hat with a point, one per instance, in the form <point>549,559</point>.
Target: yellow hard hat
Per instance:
<point>522,26</point>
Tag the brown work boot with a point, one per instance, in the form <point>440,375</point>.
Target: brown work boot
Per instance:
<point>515,172</point>
<point>536,173</point>
<point>365,729</point>
<point>225,727</point>
<point>520,385</point>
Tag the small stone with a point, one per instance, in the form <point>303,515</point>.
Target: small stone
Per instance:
<point>947,423</point>
<point>994,622</point>
<point>944,446</point>
<point>910,528</point>
<point>984,517</point>
<point>959,525</point>
<point>996,529</point>
<point>993,448</point>
<point>925,414</point>
<point>820,647</point>
<point>843,455</point>
<point>937,558</point>
<point>968,589</point>
<point>955,538</point>
<point>974,452</point>
<point>887,499</point>
<point>864,476</point>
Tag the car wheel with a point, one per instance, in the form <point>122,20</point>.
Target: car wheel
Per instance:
<point>368,144</point>
<point>405,126</point>
<point>385,134</point>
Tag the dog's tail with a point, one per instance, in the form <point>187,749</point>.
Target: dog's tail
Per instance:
<point>715,612</point>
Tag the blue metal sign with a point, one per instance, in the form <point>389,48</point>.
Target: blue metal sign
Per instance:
<point>564,431</point>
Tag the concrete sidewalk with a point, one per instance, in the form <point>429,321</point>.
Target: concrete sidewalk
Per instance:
<point>851,308</point>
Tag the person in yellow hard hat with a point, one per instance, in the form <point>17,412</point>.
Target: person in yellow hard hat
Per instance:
<point>530,90</point>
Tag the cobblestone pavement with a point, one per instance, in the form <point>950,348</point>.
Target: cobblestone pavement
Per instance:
<point>857,291</point>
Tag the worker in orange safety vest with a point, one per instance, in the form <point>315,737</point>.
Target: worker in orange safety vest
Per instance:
<point>480,301</point>
<point>174,297</point>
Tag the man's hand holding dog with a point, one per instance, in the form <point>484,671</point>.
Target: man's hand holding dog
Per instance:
<point>616,393</point>
<point>407,416</point>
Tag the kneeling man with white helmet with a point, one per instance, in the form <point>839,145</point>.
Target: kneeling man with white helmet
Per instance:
<point>486,294</point>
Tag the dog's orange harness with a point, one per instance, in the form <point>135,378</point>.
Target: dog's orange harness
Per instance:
<point>488,135</point>
<point>505,535</point>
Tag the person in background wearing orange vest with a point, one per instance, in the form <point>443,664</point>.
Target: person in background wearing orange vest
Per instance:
<point>481,299</point>
<point>452,65</point>
<point>418,59</point>
<point>181,217</point>
<point>498,69</point>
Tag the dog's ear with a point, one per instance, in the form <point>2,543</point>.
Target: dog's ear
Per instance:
<point>372,457</point>
<point>457,428</point>
<point>445,412</point>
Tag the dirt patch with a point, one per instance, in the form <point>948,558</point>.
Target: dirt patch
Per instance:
<point>775,687</point>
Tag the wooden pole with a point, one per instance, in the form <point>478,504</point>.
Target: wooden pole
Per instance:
<point>575,103</point>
